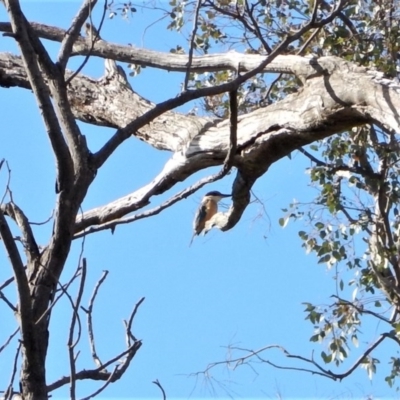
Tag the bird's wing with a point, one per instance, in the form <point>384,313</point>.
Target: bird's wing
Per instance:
<point>200,219</point>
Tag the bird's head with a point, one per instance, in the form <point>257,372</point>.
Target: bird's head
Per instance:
<point>215,196</point>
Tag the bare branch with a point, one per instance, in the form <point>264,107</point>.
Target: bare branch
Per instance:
<point>101,372</point>
<point>108,381</point>
<point>73,32</point>
<point>255,28</point>
<point>128,325</point>
<point>8,302</point>
<point>362,310</point>
<point>157,383</point>
<point>9,340</point>
<point>30,245</point>
<point>192,42</point>
<point>22,283</point>
<point>75,316</point>
<point>64,291</point>
<point>19,28</point>
<point>154,211</point>
<point>89,313</point>
<point>9,392</point>
<point>94,38</point>
<point>233,123</point>
<point>238,361</point>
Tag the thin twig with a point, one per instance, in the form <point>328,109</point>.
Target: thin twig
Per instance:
<point>233,122</point>
<point>29,241</point>
<point>9,392</point>
<point>156,210</point>
<point>256,27</point>
<point>94,39</point>
<point>157,383</point>
<point>9,340</point>
<point>128,325</point>
<point>362,310</point>
<point>64,290</point>
<point>99,390</point>
<point>99,373</point>
<point>24,298</point>
<point>192,43</point>
<point>89,312</point>
<point>8,302</point>
<point>73,32</point>
<point>71,344</point>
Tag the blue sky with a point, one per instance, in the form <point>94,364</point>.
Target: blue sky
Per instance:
<point>243,288</point>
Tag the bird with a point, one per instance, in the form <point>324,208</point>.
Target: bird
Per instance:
<point>207,209</point>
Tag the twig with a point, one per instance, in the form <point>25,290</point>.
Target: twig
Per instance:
<point>7,190</point>
<point>101,372</point>
<point>22,285</point>
<point>233,121</point>
<point>30,245</point>
<point>71,344</point>
<point>156,210</point>
<point>9,392</point>
<point>157,383</point>
<point>94,39</point>
<point>362,310</point>
<point>64,290</point>
<point>192,43</point>
<point>98,391</point>
<point>128,325</point>
<point>320,370</point>
<point>73,32</point>
<point>8,302</point>
<point>256,27</point>
<point>89,311</point>
<point>9,340</point>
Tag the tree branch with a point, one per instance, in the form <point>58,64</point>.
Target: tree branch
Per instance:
<point>101,373</point>
<point>89,311</point>
<point>73,32</point>
<point>30,245</point>
<point>75,316</point>
<point>157,383</point>
<point>24,306</point>
<point>63,159</point>
<point>8,340</point>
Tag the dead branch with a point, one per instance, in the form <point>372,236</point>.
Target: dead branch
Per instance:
<point>8,302</point>
<point>157,383</point>
<point>75,316</point>
<point>73,32</point>
<point>128,325</point>
<point>94,37</point>
<point>29,242</point>
<point>192,43</point>
<point>9,392</point>
<point>319,370</point>
<point>24,308</point>
<point>100,389</point>
<point>101,373</point>
<point>9,340</point>
<point>89,313</point>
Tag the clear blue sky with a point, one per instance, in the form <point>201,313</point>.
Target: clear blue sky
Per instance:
<point>244,287</point>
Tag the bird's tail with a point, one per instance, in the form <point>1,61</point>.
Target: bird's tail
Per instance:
<point>191,240</point>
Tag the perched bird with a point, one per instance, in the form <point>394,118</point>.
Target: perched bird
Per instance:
<point>208,208</point>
